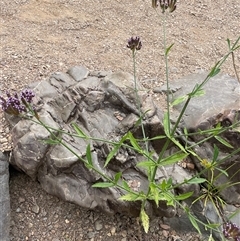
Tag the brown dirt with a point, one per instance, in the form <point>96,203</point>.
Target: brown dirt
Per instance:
<point>39,37</point>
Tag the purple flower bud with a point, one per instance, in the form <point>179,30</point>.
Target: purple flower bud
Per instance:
<point>134,43</point>
<point>27,95</point>
<point>165,4</point>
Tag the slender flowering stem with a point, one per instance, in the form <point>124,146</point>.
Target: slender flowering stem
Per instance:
<point>138,98</point>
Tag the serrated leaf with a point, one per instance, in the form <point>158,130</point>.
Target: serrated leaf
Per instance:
<point>173,159</point>
<point>80,133</point>
<point>89,155</point>
<point>168,49</point>
<point>194,223</point>
<point>184,196</point>
<point>154,193</point>
<point>179,100</point>
<point>196,180</point>
<point>117,176</point>
<point>225,143</point>
<point>145,220</point>
<point>114,150</point>
<point>131,197</point>
<point>103,184</point>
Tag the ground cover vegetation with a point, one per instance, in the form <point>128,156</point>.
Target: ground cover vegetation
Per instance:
<point>20,105</point>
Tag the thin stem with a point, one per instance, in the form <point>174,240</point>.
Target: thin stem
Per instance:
<point>166,66</point>
<point>138,98</point>
<point>235,68</point>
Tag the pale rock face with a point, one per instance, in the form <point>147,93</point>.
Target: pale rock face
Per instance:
<point>104,106</point>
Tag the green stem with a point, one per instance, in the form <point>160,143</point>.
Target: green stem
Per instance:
<point>138,98</point>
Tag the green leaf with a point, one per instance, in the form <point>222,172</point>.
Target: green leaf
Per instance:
<point>131,197</point>
<point>196,180</point>
<point>184,196</point>
<point>179,100</point>
<point>117,176</point>
<point>222,171</point>
<point>51,141</point>
<point>212,225</point>
<point>125,185</point>
<point>166,124</point>
<point>80,133</point>
<point>214,71</point>
<point>115,150</point>
<point>168,49</point>
<point>103,184</point>
<point>134,143</point>
<point>146,164</point>
<point>156,138</point>
<point>89,155</point>
<point>163,185</point>
<point>215,153</point>
<point>155,193</point>
<point>177,143</point>
<point>198,93</point>
<point>225,143</point>
<point>194,223</point>
<point>145,220</point>
<point>173,159</point>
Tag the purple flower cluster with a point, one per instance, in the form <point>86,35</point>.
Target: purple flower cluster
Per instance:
<point>134,43</point>
<point>27,95</point>
<point>231,231</point>
<point>14,105</point>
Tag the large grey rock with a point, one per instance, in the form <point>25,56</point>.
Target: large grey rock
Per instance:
<point>105,107</point>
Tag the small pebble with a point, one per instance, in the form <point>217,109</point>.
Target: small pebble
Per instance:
<point>113,230</point>
<point>18,210</point>
<point>98,225</point>
<point>91,235</point>
<point>67,221</point>
<point>21,200</point>
<point>35,209</point>
<point>164,226</point>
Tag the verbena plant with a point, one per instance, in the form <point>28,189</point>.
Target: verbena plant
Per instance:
<point>157,191</point>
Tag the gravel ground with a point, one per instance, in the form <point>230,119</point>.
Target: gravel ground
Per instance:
<point>41,37</point>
